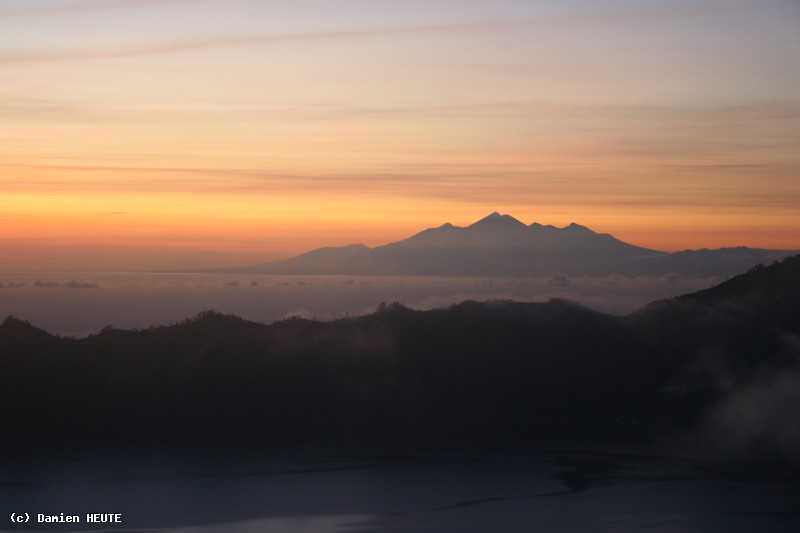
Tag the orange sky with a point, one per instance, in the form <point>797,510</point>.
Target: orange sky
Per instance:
<point>205,133</point>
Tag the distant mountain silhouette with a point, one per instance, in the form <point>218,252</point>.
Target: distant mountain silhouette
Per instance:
<point>718,368</point>
<point>500,245</point>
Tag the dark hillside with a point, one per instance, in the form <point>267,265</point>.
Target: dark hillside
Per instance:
<point>772,292</point>
<point>778,281</point>
<point>730,360</point>
<point>475,374</point>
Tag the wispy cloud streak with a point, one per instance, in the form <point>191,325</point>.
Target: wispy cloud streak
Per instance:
<point>466,184</point>
<point>80,7</point>
<point>202,43</point>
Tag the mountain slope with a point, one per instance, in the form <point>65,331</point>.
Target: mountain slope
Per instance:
<point>477,373</point>
<point>500,246</point>
<point>497,245</point>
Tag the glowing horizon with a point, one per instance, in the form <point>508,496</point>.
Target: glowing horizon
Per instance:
<point>138,134</point>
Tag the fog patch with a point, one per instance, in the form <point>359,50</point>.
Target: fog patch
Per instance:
<point>758,421</point>
<point>298,313</point>
<point>444,301</point>
<point>80,285</point>
<point>72,284</point>
<point>11,285</point>
<point>86,332</point>
<point>143,300</point>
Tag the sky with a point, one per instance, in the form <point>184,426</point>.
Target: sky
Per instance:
<point>146,134</point>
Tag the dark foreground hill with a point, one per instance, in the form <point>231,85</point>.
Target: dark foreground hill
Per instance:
<point>718,370</point>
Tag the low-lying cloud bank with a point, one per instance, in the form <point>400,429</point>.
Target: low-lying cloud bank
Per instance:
<point>72,284</point>
<point>757,420</point>
<point>137,301</point>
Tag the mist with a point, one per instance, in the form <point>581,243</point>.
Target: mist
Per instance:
<point>755,421</point>
<point>79,305</point>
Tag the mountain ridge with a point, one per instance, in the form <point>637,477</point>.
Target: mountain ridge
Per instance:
<point>499,245</point>
<point>496,373</point>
